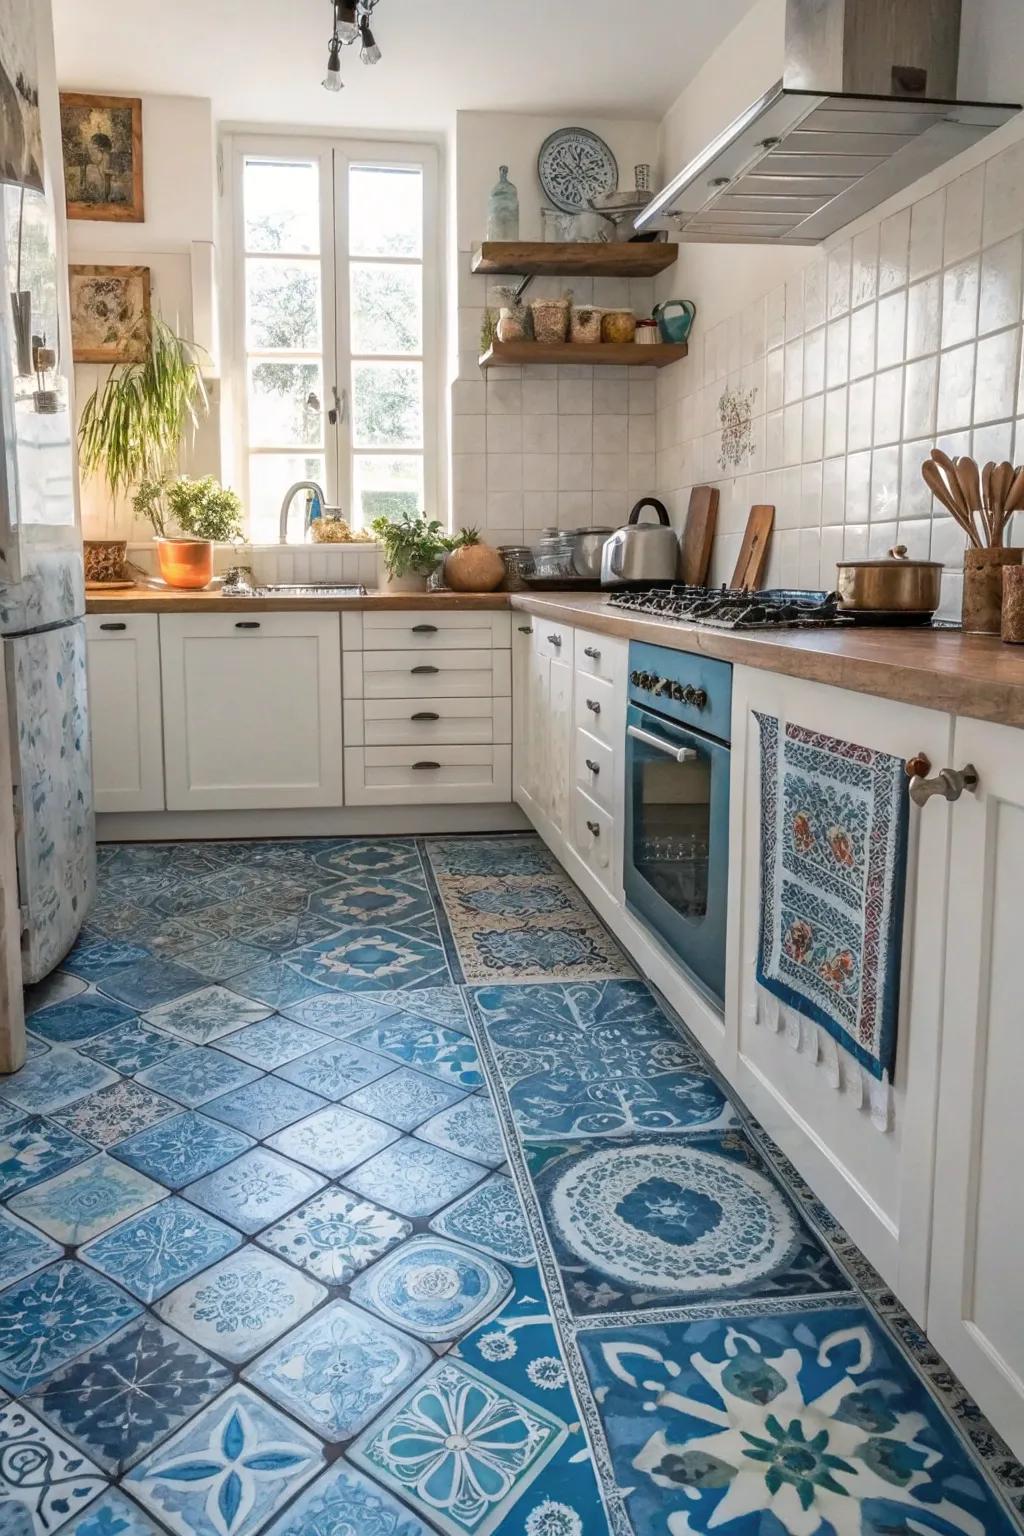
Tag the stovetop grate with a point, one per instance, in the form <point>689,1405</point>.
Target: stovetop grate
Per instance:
<point>727,608</point>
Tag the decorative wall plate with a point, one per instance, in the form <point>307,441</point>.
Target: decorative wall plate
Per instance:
<point>574,165</point>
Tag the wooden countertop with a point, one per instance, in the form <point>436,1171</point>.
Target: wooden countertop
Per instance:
<point>940,669</point>
<point>155,600</point>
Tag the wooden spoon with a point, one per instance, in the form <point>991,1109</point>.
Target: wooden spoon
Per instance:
<point>970,484</point>
<point>944,461</point>
<point>1002,484</point>
<point>938,484</point>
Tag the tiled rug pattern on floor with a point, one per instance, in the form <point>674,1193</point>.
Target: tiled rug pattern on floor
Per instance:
<point>263,1267</point>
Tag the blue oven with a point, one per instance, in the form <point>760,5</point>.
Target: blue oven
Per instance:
<point>676,865</point>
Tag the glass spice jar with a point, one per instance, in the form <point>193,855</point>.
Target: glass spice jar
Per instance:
<point>585,324</point>
<point>550,319</point>
<point>618,325</point>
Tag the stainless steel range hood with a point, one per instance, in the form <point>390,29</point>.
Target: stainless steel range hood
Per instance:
<point>865,108</point>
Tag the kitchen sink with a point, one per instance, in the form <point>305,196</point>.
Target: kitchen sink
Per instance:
<point>309,589</point>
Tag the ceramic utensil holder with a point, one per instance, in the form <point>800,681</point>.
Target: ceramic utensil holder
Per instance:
<point>1013,604</point>
<point>983,588</point>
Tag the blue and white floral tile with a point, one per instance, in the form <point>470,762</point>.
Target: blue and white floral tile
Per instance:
<point>180,1150</point>
<point>151,983</point>
<point>48,1082</point>
<point>44,1481</point>
<point>204,1015</point>
<point>499,857</point>
<point>491,1219</point>
<point>141,858</point>
<point>335,1069</point>
<point>395,900</point>
<point>335,1235</point>
<point>333,1140</point>
<point>470,1128</point>
<point>281,932</point>
<point>344,1501</point>
<point>229,1470</point>
<point>120,1399</point>
<point>503,948</point>
<point>272,1043</point>
<point>433,1288</point>
<point>115,1112</point>
<point>79,1018</point>
<point>121,919</point>
<point>343,1015</point>
<point>138,886</point>
<point>168,939</point>
<point>801,1422</point>
<point>35,1149</point>
<point>276,984</point>
<point>112,1515</point>
<point>94,957</point>
<point>404,1098</point>
<point>131,1047</point>
<point>49,1318</point>
<point>338,1370</point>
<point>364,856</point>
<point>55,988</point>
<point>197,1074</point>
<point>429,1047</point>
<point>460,1448</point>
<point>22,1249</point>
<point>153,1252</point>
<point>272,889</point>
<point>219,959</point>
<point>366,958</point>
<point>254,1190</point>
<point>264,1106</point>
<point>336,1013</point>
<point>242,1304</point>
<point>86,1200</point>
<point>186,900</point>
<point>413,1178</point>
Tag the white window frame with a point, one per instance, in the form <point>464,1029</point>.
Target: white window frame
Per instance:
<point>334,158</point>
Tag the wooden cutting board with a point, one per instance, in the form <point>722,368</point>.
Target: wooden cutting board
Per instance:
<point>753,555</point>
<point>699,535</point>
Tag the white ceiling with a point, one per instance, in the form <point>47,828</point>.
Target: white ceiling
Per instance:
<point>262,60</point>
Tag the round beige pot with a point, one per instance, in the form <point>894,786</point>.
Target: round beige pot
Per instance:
<point>186,563</point>
<point>474,568</point>
<point>410,583</point>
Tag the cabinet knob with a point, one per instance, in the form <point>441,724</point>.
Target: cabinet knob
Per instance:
<point>415,671</point>
<point>595,768</point>
<point>592,652</point>
<point>918,767</point>
<point>594,828</point>
<point>247,624</point>
<point>593,706</point>
<point>555,640</point>
<point>424,629</point>
<point>526,629</point>
<point>113,626</point>
<point>426,765</point>
<point>950,783</point>
<point>425,714</point>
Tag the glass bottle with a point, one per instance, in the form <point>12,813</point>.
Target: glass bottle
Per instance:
<point>503,209</point>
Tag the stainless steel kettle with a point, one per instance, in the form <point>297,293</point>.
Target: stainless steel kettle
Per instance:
<point>641,554</point>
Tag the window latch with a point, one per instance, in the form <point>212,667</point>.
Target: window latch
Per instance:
<point>339,410</point>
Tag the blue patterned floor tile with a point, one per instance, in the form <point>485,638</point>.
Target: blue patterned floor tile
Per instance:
<point>345,1503</point>
<point>120,1399</point>
<point>98,957</point>
<point>282,932</point>
<point>338,1370</point>
<point>273,1042</point>
<point>366,856</point>
<point>413,1178</point>
<point>22,1249</point>
<point>115,1112</point>
<point>497,857</point>
<point>390,899</point>
<point>112,1515</point>
<point>34,1149</point>
<point>433,1288</point>
<point>58,987</point>
<point>366,958</point>
<point>483,1443</point>
<point>335,1235</point>
<point>186,900</point>
<point>205,1015</point>
<point>264,1106</point>
<point>151,983</point>
<point>256,1189</point>
<point>131,1048</point>
<point>159,1249</point>
<point>333,1140</point>
<point>275,984</point>
<point>429,1047</point>
<point>471,1129</point>
<point>49,1318</point>
<point>227,1472</point>
<point>242,1304</point>
<point>180,1150</point>
<point>336,1013</point>
<point>198,1073</point>
<point>335,1069</point>
<point>404,1098</point>
<point>490,1218</point>
<point>86,1200</point>
<point>44,1481</point>
<point>78,1018</point>
<point>49,1082</point>
<point>218,959</point>
<point>344,1014</point>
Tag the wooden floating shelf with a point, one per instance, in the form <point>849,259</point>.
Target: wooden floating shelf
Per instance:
<point>564,258</point>
<point>629,354</point>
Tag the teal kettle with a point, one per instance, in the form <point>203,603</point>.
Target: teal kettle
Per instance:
<point>675,319</point>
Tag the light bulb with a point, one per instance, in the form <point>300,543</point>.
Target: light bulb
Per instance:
<point>346,25</point>
<point>332,81</point>
<point>370,53</point>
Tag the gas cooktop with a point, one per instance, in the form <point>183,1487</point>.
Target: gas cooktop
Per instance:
<point>726,608</point>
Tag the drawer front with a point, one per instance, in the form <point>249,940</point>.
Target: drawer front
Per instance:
<point>601,656</point>
<point>593,835</point>
<point>554,640</point>
<point>595,768</point>
<point>438,775</point>
<point>596,711</point>
<point>428,722</point>
<point>426,630</point>
<point>409,674</point>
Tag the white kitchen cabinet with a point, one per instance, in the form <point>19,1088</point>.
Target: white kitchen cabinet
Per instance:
<point>252,710</point>
<point>125,712</point>
<point>975,1309</point>
<point>427,775</point>
<point>522,707</point>
<point>559,772</point>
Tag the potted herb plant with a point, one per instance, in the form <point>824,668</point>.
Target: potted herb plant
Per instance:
<point>411,545</point>
<point>472,566</point>
<point>205,513</point>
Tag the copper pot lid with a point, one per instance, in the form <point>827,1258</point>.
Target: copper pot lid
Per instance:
<point>896,559</point>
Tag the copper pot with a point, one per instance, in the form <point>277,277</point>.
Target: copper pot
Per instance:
<point>893,585</point>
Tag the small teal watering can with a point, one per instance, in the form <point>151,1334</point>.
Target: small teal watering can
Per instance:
<point>675,327</point>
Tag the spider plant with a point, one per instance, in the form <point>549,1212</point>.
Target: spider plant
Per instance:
<point>133,424</point>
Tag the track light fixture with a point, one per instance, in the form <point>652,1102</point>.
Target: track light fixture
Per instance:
<point>351,24</point>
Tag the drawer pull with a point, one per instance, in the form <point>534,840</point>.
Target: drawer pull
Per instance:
<point>594,828</point>
<point>595,768</point>
<point>424,629</point>
<point>421,670</point>
<point>425,714</point>
<point>592,652</point>
<point>247,624</point>
<point>593,706</point>
<point>426,765</point>
<point>555,640</point>
<point>526,629</point>
<point>113,626</point>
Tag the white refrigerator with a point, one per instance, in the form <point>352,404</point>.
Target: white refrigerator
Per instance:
<point>42,591</point>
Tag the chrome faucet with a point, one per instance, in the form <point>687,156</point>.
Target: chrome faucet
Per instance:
<point>304,485</point>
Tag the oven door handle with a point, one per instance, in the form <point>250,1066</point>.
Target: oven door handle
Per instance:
<point>680,754</point>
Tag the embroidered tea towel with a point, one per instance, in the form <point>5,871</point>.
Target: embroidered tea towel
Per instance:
<point>833,872</point>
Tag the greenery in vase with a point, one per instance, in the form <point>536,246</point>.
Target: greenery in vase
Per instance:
<point>412,543</point>
<point>201,509</point>
<point>461,540</point>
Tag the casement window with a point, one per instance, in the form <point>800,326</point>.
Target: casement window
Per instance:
<point>336,327</point>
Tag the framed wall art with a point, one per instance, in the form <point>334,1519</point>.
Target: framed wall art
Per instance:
<point>101,142</point>
<point>110,314</point>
